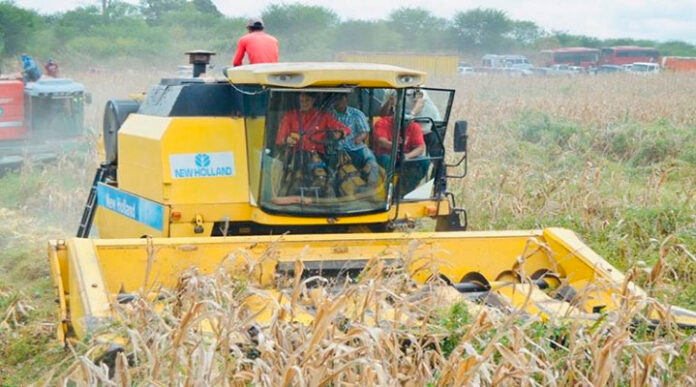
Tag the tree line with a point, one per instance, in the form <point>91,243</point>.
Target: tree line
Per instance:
<point>161,30</point>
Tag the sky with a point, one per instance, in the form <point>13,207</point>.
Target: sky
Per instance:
<point>645,19</point>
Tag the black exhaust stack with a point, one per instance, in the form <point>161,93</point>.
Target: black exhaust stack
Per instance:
<point>200,60</point>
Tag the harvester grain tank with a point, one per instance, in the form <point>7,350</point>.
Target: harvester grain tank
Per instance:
<point>255,162</point>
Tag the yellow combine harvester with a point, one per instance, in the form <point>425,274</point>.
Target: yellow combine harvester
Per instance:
<point>306,159</point>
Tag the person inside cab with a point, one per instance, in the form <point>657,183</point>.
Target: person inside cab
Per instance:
<point>421,108</point>
<point>415,165</point>
<point>355,144</point>
<point>310,138</point>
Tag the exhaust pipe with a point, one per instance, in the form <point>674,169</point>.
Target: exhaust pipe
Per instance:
<point>200,60</point>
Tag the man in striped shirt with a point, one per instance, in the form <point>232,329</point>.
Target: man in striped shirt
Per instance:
<point>355,143</point>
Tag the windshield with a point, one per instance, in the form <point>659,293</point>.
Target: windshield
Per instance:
<point>320,152</point>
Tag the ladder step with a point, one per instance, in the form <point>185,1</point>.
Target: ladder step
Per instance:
<point>88,213</point>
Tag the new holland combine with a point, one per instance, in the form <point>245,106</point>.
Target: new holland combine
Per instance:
<point>201,168</point>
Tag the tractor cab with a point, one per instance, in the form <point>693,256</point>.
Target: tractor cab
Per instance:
<point>338,140</point>
<point>337,151</point>
<point>54,108</point>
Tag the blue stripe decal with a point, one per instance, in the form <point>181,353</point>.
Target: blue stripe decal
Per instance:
<point>141,210</point>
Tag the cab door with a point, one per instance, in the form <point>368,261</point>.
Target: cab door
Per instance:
<point>423,177</point>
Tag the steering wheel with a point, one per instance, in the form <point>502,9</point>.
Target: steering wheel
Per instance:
<point>331,136</point>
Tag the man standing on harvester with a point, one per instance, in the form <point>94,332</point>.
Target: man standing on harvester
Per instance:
<point>259,46</point>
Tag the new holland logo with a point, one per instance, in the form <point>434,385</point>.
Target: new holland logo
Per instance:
<point>202,160</point>
<point>198,165</point>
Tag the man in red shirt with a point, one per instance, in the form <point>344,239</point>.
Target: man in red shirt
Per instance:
<point>305,133</point>
<point>310,124</point>
<point>259,46</point>
<point>415,166</point>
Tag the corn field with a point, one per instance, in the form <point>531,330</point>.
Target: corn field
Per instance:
<point>611,157</point>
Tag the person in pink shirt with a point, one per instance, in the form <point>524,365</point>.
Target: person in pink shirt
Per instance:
<point>258,46</point>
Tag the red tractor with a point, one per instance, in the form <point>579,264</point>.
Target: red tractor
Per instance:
<point>40,120</point>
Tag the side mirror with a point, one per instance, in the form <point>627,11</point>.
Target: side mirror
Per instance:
<point>88,98</point>
<point>460,136</point>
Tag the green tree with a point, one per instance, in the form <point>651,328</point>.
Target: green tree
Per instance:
<point>676,48</point>
<point>526,33</point>
<point>206,6</point>
<point>120,11</point>
<point>154,10</point>
<point>17,26</point>
<point>77,22</point>
<point>482,29</point>
<point>366,35</point>
<point>304,31</point>
<point>419,29</point>
<point>570,40</point>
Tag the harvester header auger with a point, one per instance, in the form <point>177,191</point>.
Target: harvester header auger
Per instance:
<point>287,172</point>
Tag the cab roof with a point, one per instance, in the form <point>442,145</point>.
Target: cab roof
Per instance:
<point>326,74</point>
<point>51,86</point>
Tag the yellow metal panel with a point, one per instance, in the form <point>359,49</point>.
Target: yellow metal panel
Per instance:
<point>122,265</point>
<point>140,167</point>
<point>59,273</point>
<point>581,262</point>
<point>196,135</point>
<point>325,74</point>
<point>147,145</point>
<point>455,254</point>
<point>111,224</point>
<point>89,302</point>
<point>255,135</point>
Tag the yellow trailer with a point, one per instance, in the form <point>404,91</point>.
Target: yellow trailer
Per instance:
<point>435,65</point>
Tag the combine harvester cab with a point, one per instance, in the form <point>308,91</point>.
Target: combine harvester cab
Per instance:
<point>40,120</point>
<point>252,173</point>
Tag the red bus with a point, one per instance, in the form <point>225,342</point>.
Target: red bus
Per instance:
<point>572,56</point>
<point>621,55</point>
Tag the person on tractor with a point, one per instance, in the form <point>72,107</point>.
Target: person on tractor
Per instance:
<point>355,143</point>
<point>310,137</point>
<point>415,165</point>
<point>51,68</point>
<point>30,72</point>
<point>258,46</point>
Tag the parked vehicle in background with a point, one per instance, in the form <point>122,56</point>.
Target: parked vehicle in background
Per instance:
<point>506,61</point>
<point>513,65</point>
<point>679,63</point>
<point>572,56</point>
<point>622,55</point>
<point>609,69</point>
<point>436,65</point>
<point>465,70</point>
<point>560,69</point>
<point>578,69</point>
<point>645,68</point>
